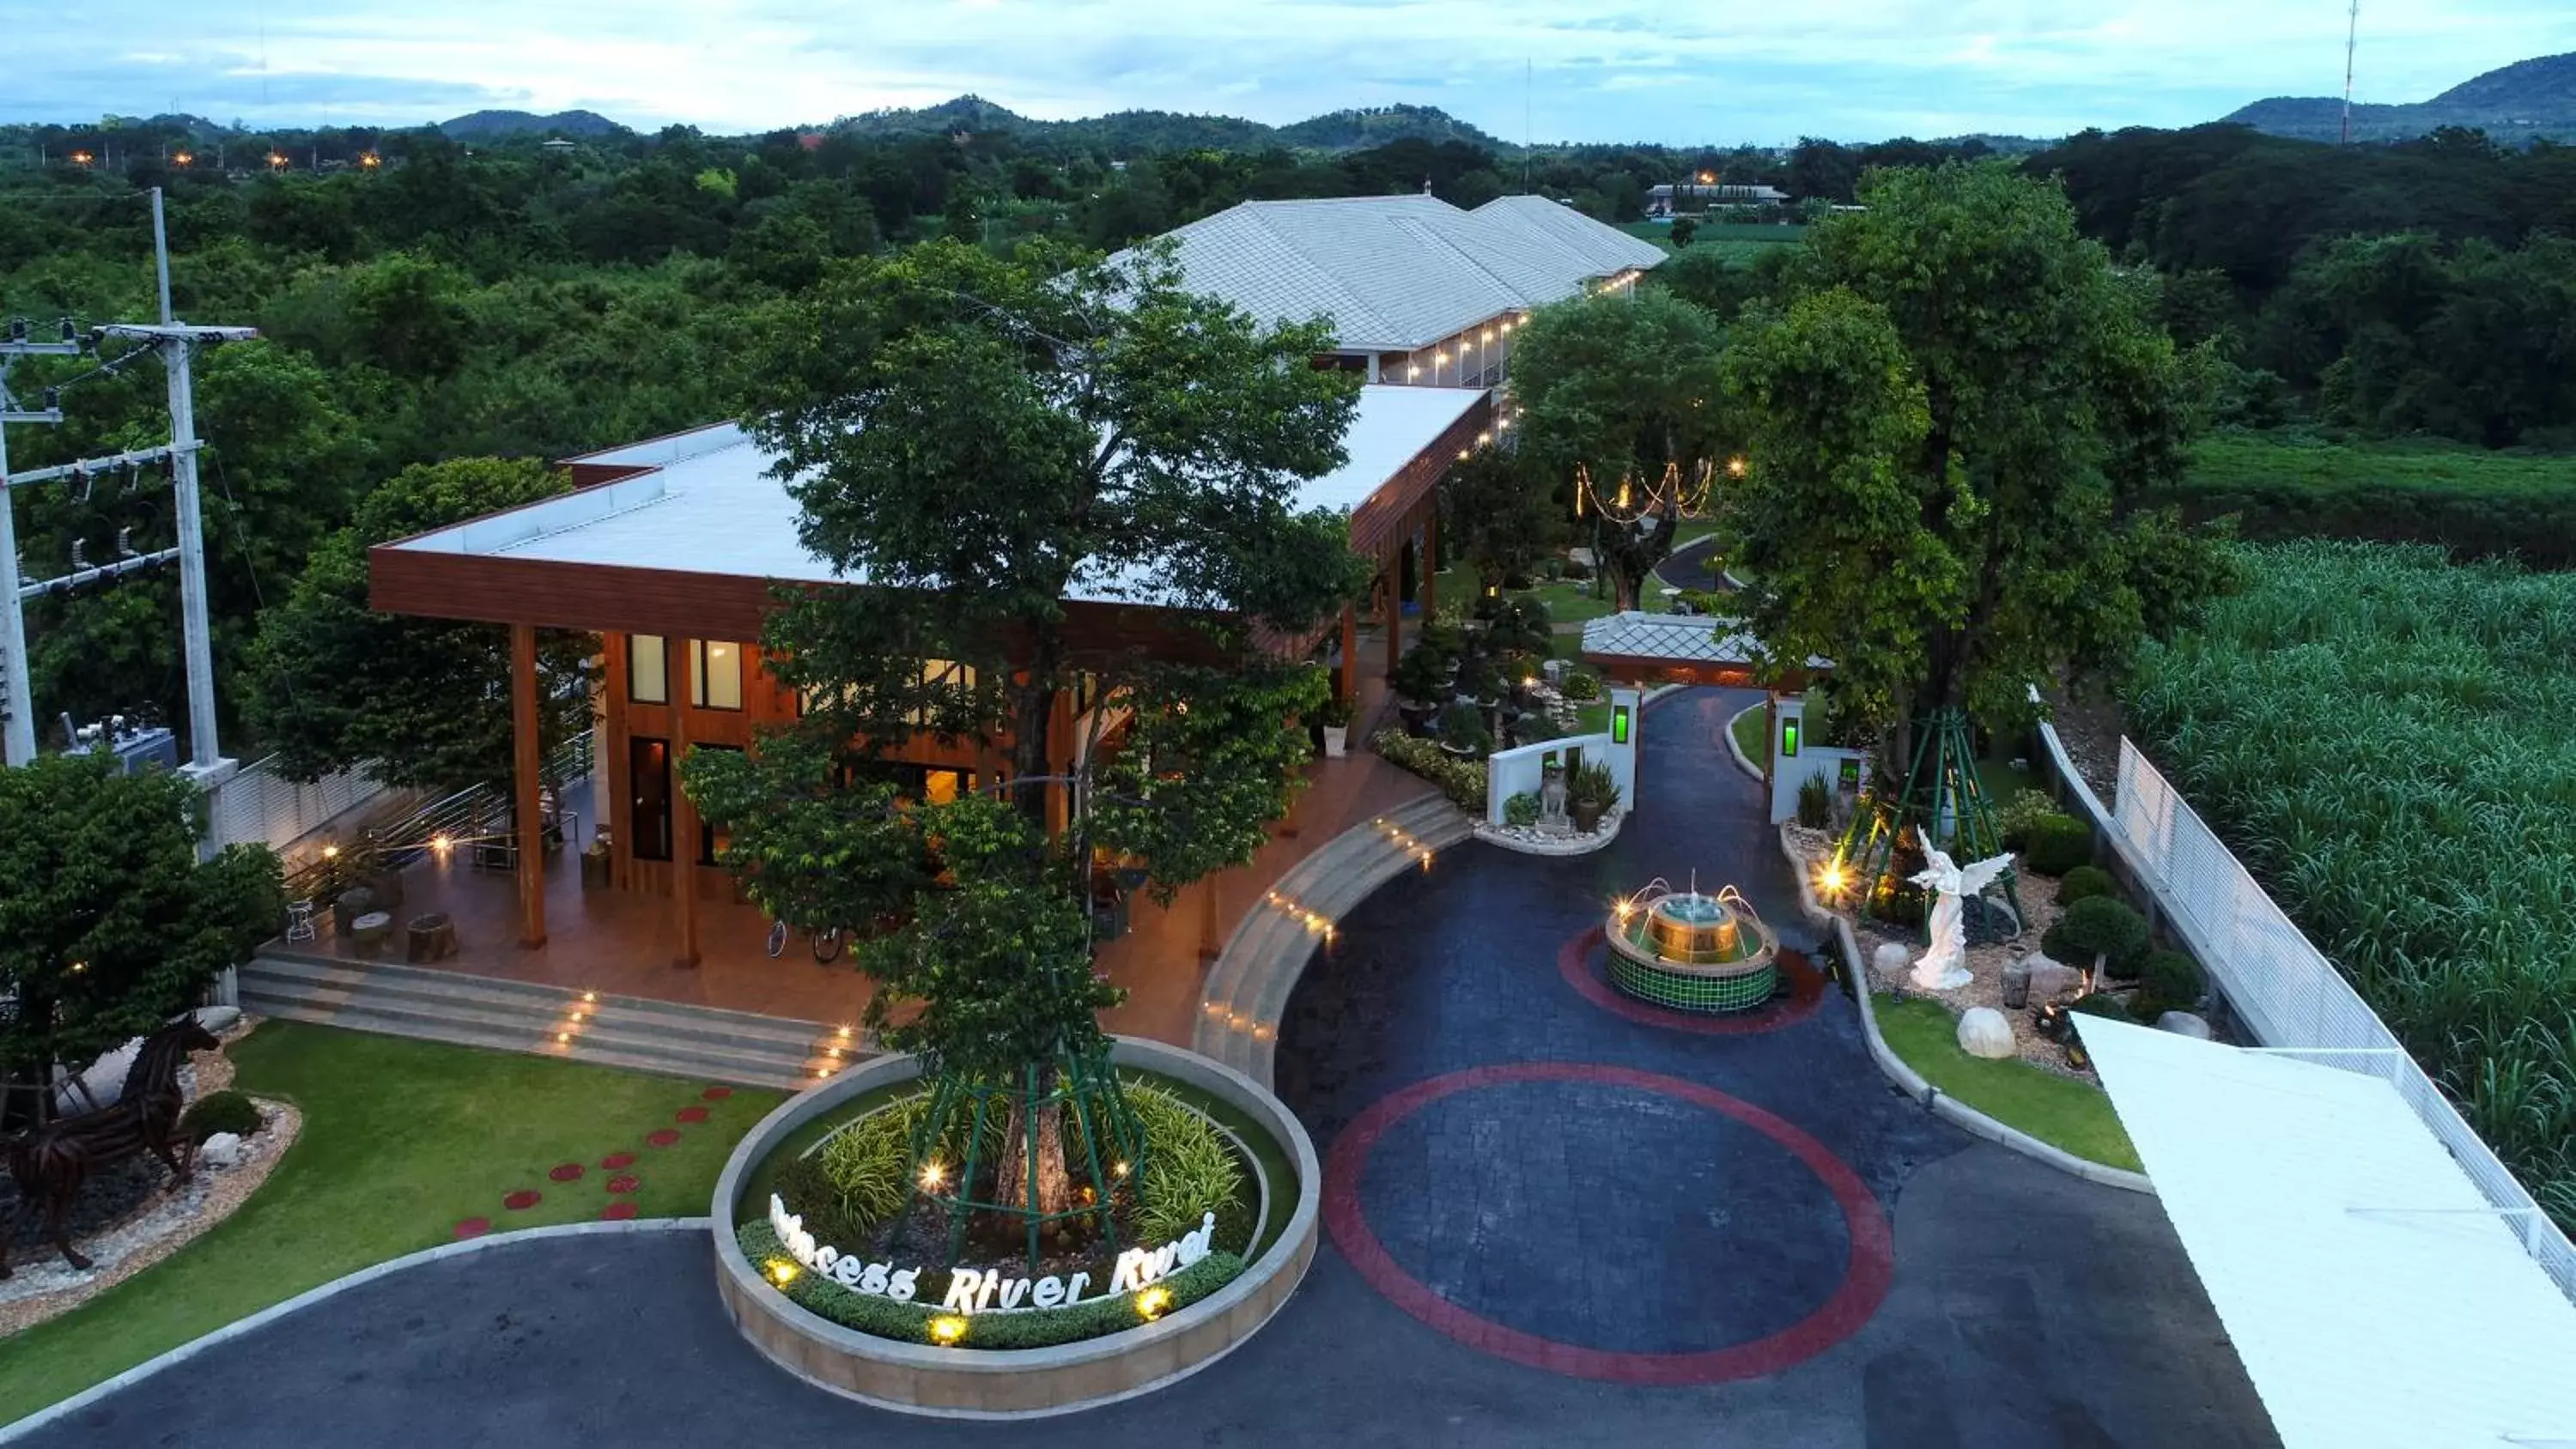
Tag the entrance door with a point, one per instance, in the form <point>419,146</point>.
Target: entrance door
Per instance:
<point>649,771</point>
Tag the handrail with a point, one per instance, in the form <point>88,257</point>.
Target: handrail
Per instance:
<point>457,818</point>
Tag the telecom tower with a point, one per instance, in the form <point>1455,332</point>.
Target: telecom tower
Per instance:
<point>176,341</point>
<point>2351,43</point>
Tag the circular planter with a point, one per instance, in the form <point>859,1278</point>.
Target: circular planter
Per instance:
<point>1014,1383</point>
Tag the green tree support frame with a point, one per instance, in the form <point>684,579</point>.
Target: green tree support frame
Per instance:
<point>1085,1087</point>
<point>1944,769</point>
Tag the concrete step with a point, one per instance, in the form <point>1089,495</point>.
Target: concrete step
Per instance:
<point>655,1036</point>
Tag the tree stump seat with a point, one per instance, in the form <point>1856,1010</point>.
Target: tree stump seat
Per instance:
<point>430,937</point>
<point>367,933</point>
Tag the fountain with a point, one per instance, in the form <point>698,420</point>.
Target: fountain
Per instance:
<point>1692,952</point>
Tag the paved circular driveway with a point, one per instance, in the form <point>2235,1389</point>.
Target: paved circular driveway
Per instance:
<point>1586,1190</point>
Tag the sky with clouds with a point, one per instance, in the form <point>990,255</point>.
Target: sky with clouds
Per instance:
<point>1727,71</point>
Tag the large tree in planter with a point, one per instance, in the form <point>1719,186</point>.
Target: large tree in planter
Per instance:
<point>1953,418</point>
<point>420,703</point>
<point>109,924</point>
<point>1621,388</point>
<point>973,437</point>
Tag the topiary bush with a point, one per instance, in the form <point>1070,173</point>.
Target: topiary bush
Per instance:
<point>225,1111</point>
<point>2085,882</point>
<point>2100,1003</point>
<point>1580,687</point>
<point>2173,977</point>
<point>2057,844</point>
<point>2103,931</point>
<point>1521,811</point>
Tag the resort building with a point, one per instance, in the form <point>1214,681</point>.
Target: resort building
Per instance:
<point>1418,291</point>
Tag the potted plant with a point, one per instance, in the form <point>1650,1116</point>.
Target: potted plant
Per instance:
<point>1481,680</point>
<point>1335,717</point>
<point>1591,792</point>
<point>1463,732</point>
<point>1421,682</point>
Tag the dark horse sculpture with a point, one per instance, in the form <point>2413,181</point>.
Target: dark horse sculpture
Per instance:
<point>51,1162</point>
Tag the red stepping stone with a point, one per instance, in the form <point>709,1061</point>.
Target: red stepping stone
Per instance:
<point>473,1228</point>
<point>668,1136</point>
<point>523,1199</point>
<point>616,1160</point>
<point>618,1212</point>
<point>692,1114</point>
<point>717,1094</point>
<point>568,1172</point>
<point>627,1183</point>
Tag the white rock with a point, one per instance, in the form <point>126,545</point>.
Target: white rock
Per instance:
<point>105,1079</point>
<point>1891,959</point>
<point>2183,1023</point>
<point>218,1019</point>
<point>1983,1032</point>
<point>221,1150</point>
<point>2050,979</point>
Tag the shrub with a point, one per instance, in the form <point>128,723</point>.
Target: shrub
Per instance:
<point>2172,976</point>
<point>1423,674</point>
<point>1189,1170</point>
<point>1580,687</point>
<point>867,1166</point>
<point>1462,729</point>
<point>1593,781</point>
<point>1577,570</point>
<point>2085,882</point>
<point>1463,781</point>
<point>1521,810</point>
<point>2100,930</point>
<point>1032,1328</point>
<point>2058,844</point>
<point>2019,814</point>
<point>1815,802</point>
<point>225,1111</point>
<point>2100,1003</point>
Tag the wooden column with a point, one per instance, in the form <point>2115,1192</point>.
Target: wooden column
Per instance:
<point>1348,686</point>
<point>616,767</point>
<point>684,815</point>
<point>524,764</point>
<point>1393,613</point>
<point>1430,565</point>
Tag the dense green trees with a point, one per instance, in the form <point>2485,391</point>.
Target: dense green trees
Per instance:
<point>1953,420</point>
<point>109,925</point>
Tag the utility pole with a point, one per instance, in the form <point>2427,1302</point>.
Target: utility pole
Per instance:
<point>17,696</point>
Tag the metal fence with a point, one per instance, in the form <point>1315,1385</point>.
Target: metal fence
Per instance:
<point>260,805</point>
<point>2284,991</point>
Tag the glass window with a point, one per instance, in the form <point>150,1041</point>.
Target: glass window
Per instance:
<point>715,675</point>
<point>648,671</point>
<point>649,773</point>
<point>941,672</point>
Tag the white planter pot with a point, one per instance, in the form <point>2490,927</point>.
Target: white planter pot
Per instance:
<point>1337,741</point>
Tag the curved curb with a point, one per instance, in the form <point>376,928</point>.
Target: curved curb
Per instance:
<point>1025,1383</point>
<point>1744,761</point>
<point>1948,1108</point>
<point>1497,837</point>
<point>310,1296</point>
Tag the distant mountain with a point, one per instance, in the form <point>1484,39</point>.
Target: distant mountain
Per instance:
<point>2528,100</point>
<point>1137,131</point>
<point>486,125</point>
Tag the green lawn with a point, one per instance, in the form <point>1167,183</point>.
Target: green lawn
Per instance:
<point>1752,734</point>
<point>2054,1109</point>
<point>401,1140</point>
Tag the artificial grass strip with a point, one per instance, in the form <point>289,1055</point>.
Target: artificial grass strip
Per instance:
<point>2057,1110</point>
<point>403,1141</point>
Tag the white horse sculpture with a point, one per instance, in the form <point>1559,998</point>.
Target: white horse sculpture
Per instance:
<point>1943,966</point>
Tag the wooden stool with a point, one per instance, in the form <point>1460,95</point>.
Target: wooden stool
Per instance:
<point>367,933</point>
<point>430,938</point>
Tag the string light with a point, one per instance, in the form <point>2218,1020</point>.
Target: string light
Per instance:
<point>1684,495</point>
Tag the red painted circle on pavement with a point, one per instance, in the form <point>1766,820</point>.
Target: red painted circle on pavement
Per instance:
<point>473,1227</point>
<point>523,1199</point>
<point>691,1114</point>
<point>627,1183</point>
<point>663,1138</point>
<point>567,1172</point>
<point>1806,993</point>
<point>616,1160</point>
<point>716,1094</point>
<point>1865,1278</point>
<point>618,1212</point>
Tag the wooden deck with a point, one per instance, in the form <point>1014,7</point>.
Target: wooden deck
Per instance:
<point>622,943</point>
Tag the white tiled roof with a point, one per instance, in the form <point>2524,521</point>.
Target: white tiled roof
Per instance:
<point>711,505</point>
<point>1400,272</point>
<point>1674,639</point>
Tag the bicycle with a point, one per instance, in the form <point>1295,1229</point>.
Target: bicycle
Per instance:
<point>826,943</point>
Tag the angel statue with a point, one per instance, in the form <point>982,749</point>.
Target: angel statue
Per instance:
<point>1943,966</point>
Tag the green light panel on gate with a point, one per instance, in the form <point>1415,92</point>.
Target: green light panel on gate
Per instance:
<point>1788,738</point>
<point>1618,724</point>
